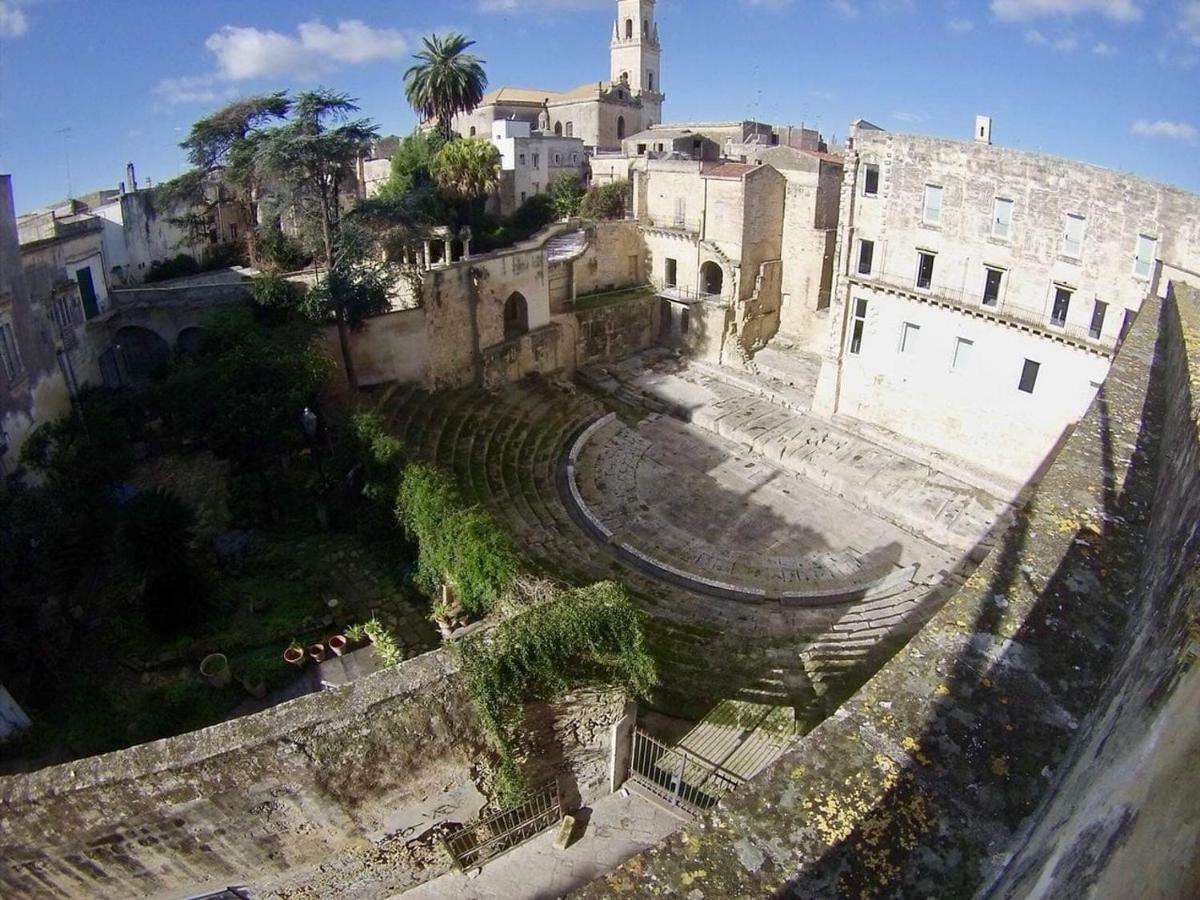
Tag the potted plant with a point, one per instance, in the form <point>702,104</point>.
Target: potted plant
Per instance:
<point>316,652</point>
<point>215,669</point>
<point>294,654</point>
<point>356,636</point>
<point>337,644</point>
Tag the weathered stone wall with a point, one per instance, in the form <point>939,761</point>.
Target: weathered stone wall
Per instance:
<point>1047,710</point>
<point>616,330</point>
<point>322,793</point>
<point>392,347</point>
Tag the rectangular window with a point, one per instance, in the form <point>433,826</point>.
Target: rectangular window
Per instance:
<point>523,196</point>
<point>1029,376</point>
<point>1062,305</point>
<point>641,150</point>
<point>1099,311</point>
<point>1073,229</point>
<point>925,270</point>
<point>672,272</point>
<point>908,337</point>
<point>932,214</point>
<point>859,327</point>
<point>866,256</point>
<point>991,286</point>
<point>558,159</point>
<point>680,212</point>
<point>10,353</point>
<point>1002,211</point>
<point>963,349</point>
<point>1143,259</point>
<point>522,158</point>
<point>537,160</point>
<point>87,291</point>
<point>870,180</point>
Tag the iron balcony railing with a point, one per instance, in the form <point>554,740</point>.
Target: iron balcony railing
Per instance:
<point>681,294</point>
<point>999,309</point>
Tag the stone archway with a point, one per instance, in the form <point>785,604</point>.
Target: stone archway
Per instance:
<point>189,340</point>
<point>712,279</point>
<point>516,316</point>
<point>143,353</point>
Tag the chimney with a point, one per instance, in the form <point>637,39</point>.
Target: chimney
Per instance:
<point>131,177</point>
<point>983,129</point>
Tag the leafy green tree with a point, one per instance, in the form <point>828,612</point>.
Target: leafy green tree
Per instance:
<point>467,171</point>
<point>566,195</point>
<point>223,144</point>
<point>606,201</point>
<point>412,164</point>
<point>314,156</point>
<point>446,81</point>
<point>359,283</point>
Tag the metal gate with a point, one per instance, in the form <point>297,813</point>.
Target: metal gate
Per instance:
<point>678,777</point>
<point>482,841</point>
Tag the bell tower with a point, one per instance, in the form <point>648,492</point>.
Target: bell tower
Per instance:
<point>637,56</point>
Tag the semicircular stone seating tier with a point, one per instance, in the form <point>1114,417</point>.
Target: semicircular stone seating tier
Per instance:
<point>506,448</point>
<point>698,508</point>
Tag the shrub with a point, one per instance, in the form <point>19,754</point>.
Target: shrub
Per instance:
<point>179,267</point>
<point>534,214</point>
<point>383,645</point>
<point>278,252</point>
<point>606,201</point>
<point>566,195</point>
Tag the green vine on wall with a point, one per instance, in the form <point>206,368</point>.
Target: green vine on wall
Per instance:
<point>590,636</point>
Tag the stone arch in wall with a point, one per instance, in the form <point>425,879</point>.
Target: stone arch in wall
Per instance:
<point>558,129</point>
<point>189,340</point>
<point>620,128</point>
<point>712,278</point>
<point>629,29</point>
<point>142,353</point>
<point>516,316</point>
<point>473,132</point>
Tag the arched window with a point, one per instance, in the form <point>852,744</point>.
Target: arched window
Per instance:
<point>620,128</point>
<point>712,279</point>
<point>472,131</point>
<point>645,27</point>
<point>516,316</point>
<point>629,29</point>
<point>650,80</point>
<point>624,78</point>
<point>558,129</point>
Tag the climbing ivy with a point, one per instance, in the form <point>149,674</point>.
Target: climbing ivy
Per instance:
<point>590,636</point>
<point>457,543</point>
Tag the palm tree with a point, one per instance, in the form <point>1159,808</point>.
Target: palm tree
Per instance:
<point>446,81</point>
<point>467,169</point>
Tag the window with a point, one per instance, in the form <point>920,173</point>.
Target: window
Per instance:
<point>620,128</point>
<point>574,158</point>
<point>1073,227</point>
<point>925,270</point>
<point>87,291</point>
<point>908,337</point>
<point>1062,305</point>
<point>672,275</point>
<point>523,196</point>
<point>67,311</point>
<point>522,158</point>
<point>472,131</point>
<point>1002,211</point>
<point>650,81</point>
<point>932,213</point>
<point>963,349</point>
<point>685,320</point>
<point>558,129</point>
<point>680,212</point>
<point>10,354</point>
<point>1143,259</point>
<point>641,149</point>
<point>558,159</point>
<point>570,129</point>
<point>866,256</point>
<point>658,147</point>
<point>537,160</point>
<point>991,286</point>
<point>1029,376</point>
<point>537,187</point>
<point>859,327</point>
<point>1099,311</point>
<point>870,180</point>
<point>646,27</point>
<point>629,29</point>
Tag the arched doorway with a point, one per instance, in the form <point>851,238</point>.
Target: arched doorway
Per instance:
<point>143,354</point>
<point>712,279</point>
<point>189,340</point>
<point>620,128</point>
<point>516,316</point>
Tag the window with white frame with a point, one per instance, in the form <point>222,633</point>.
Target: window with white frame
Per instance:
<point>1002,211</point>
<point>866,256</point>
<point>932,212</point>
<point>993,280</point>
<point>925,261</point>
<point>1143,258</point>
<point>909,333</point>
<point>1062,305</point>
<point>10,353</point>
<point>859,327</point>
<point>1073,231</point>
<point>963,349</point>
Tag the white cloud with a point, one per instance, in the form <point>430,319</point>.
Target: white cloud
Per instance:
<point>190,89</point>
<point>1102,49</point>
<point>1173,131</point>
<point>1025,10</point>
<point>1066,43</point>
<point>960,26</point>
<point>13,21</point>
<point>845,7</point>
<point>245,53</point>
<point>911,117</point>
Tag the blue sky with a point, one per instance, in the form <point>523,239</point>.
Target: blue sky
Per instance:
<point>1114,82</point>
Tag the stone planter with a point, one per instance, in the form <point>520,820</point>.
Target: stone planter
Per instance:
<point>215,669</point>
<point>316,652</point>
<point>338,644</point>
<point>294,656</point>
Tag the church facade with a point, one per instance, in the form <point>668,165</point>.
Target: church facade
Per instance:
<point>600,113</point>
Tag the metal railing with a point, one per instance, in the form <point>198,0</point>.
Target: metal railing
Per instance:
<point>682,294</point>
<point>678,777</point>
<point>494,835</point>
<point>1000,309</point>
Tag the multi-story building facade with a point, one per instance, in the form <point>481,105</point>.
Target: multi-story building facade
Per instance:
<point>530,161</point>
<point>980,286</point>
<point>600,113</point>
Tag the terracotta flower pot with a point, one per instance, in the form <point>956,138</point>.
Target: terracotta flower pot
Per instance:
<point>338,644</point>
<point>294,656</point>
<point>316,652</point>
<point>215,669</point>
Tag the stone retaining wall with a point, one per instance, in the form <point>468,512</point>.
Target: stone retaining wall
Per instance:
<point>1036,737</point>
